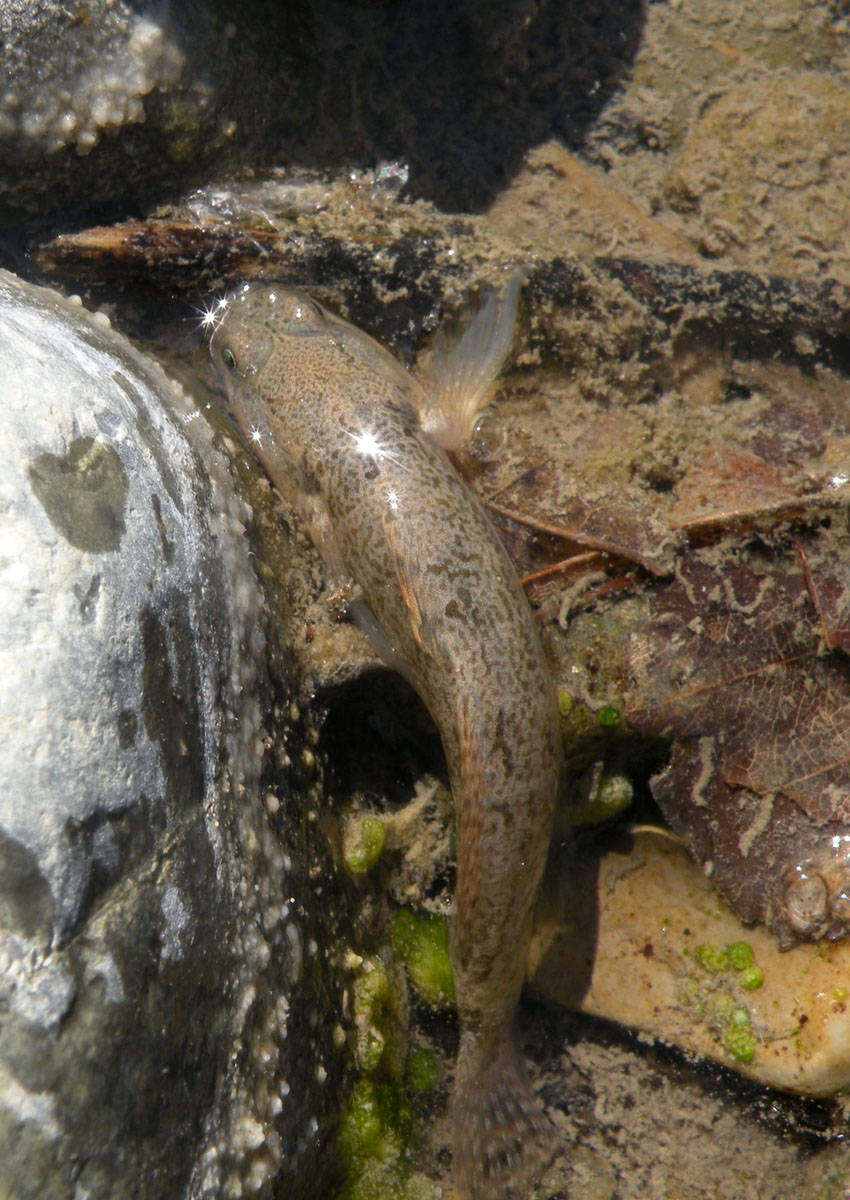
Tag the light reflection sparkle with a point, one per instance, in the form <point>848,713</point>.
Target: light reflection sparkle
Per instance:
<point>367,444</point>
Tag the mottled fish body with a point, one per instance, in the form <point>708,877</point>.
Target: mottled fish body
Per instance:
<point>356,441</point>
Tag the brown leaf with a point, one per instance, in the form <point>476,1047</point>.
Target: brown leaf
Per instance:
<point>726,484</point>
<point>733,668</point>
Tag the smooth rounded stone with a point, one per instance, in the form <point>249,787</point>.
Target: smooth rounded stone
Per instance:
<point>637,934</point>
<point>126,98</point>
<point>160,1020</point>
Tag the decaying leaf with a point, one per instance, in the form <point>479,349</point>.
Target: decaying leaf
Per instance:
<point>734,668</point>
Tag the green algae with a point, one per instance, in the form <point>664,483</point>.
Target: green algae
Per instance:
<point>740,955</point>
<point>751,978</point>
<point>372,1145</point>
<point>380,1020</point>
<point>738,1037</point>
<point>733,1022</point>
<point>422,1072</point>
<point>602,795</point>
<point>712,958</point>
<point>609,717</point>
<point>422,941</point>
<point>363,843</point>
<point>737,957</point>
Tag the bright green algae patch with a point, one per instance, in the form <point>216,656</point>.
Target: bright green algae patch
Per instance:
<point>751,979</point>
<point>737,957</point>
<point>423,943</point>
<point>406,953</point>
<point>736,962</point>
<point>609,717</point>
<point>741,956</point>
<point>378,1123</point>
<point>372,1145</point>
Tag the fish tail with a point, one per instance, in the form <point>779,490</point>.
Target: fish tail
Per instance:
<point>502,1139</point>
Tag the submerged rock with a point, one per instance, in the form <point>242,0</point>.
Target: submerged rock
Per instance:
<point>122,99</point>
<point>634,932</point>
<point>161,1028</point>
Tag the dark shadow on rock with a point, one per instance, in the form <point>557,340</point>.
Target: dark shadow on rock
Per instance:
<point>458,89</point>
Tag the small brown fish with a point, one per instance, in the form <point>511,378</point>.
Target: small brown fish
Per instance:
<point>359,443</point>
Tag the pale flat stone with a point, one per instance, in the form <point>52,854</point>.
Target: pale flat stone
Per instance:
<point>655,908</point>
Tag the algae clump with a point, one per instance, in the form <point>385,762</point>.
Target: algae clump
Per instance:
<point>363,843</point>
<point>372,1144</point>
<point>380,1020</point>
<point>422,1073</point>
<point>423,943</point>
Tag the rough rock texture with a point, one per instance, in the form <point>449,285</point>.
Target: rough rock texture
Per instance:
<point>658,331</point>
<point>156,989</point>
<point>153,93</point>
<point>107,100</point>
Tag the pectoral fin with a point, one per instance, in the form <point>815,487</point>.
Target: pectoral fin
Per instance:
<point>458,374</point>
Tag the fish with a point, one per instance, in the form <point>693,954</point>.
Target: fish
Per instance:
<point>361,446</point>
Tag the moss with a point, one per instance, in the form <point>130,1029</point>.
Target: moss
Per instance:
<point>741,956</point>
<point>380,1020</point>
<point>423,943</point>
<point>363,843</point>
<point>712,958</point>
<point>423,1071</point>
<point>609,717</point>
<point>751,979</point>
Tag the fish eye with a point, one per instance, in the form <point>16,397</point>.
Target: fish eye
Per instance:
<point>228,358</point>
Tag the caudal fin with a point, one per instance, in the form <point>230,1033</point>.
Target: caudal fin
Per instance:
<point>502,1139</point>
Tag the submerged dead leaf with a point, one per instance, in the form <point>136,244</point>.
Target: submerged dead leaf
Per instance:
<point>726,484</point>
<point>733,667</point>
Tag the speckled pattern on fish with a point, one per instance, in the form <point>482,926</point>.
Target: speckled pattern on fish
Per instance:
<point>347,433</point>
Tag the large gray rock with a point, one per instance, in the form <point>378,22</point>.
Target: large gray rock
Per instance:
<point>160,1027</point>
<point>121,99</point>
